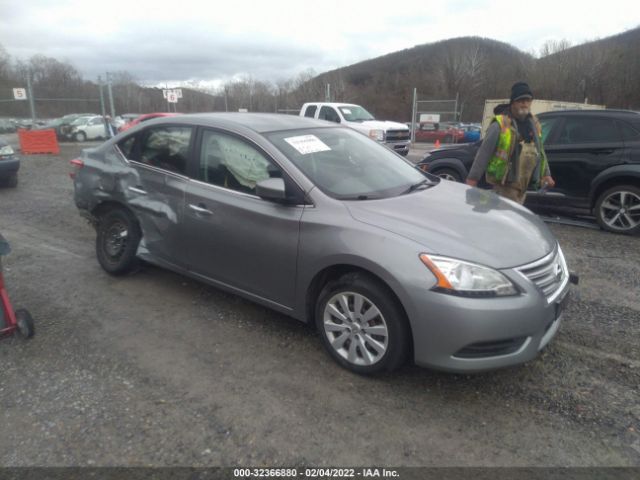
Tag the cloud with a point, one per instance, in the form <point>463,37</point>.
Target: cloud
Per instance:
<point>203,40</point>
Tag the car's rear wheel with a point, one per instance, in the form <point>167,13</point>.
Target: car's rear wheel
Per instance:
<point>618,209</point>
<point>80,137</point>
<point>118,236</point>
<point>362,326</point>
<point>448,174</point>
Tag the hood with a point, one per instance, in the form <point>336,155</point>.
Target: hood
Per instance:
<point>466,223</point>
<point>383,125</point>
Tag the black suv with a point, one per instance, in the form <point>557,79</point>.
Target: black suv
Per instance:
<point>594,156</point>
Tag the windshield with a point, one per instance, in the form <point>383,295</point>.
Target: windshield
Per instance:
<point>346,164</point>
<point>355,114</point>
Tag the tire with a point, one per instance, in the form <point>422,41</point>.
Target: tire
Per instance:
<point>448,139</point>
<point>448,174</point>
<point>117,240</point>
<point>353,343</point>
<point>80,137</point>
<point>25,323</point>
<point>618,209</point>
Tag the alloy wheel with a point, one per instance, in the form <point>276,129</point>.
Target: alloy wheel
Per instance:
<point>356,328</point>
<point>620,210</point>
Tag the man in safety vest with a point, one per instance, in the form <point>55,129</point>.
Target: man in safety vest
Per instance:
<point>512,156</point>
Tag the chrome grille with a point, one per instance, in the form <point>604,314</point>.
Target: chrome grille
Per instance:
<point>549,274</point>
<point>393,135</point>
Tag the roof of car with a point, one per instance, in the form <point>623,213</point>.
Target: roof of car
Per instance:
<point>258,122</point>
<point>600,112</point>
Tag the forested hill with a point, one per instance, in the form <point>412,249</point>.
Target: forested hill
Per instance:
<point>605,71</point>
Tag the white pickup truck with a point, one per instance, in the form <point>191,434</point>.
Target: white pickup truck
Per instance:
<point>394,135</point>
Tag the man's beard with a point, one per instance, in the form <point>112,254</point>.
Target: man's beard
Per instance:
<point>521,113</point>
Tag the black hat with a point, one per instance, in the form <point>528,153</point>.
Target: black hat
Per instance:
<point>520,90</point>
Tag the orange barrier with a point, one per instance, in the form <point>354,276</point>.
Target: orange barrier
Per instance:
<point>38,141</point>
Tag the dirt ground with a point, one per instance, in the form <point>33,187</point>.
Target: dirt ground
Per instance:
<point>157,369</point>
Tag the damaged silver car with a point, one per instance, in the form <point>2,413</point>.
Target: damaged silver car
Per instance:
<point>321,223</point>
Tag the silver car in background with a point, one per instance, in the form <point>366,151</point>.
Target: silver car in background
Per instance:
<point>321,223</point>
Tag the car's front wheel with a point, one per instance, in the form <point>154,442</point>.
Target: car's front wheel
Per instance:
<point>80,137</point>
<point>118,236</point>
<point>361,324</point>
<point>618,209</point>
<point>448,174</point>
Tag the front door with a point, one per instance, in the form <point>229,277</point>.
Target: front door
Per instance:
<point>583,148</point>
<point>233,236</point>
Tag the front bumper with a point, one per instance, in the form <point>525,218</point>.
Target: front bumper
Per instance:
<point>464,335</point>
<point>9,166</point>
<point>399,147</point>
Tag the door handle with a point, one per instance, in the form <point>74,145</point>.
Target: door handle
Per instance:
<point>200,209</point>
<point>139,191</point>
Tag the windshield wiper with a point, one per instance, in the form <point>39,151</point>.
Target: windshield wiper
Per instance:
<point>422,183</point>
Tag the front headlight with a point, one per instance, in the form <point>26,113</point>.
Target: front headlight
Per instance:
<point>6,150</point>
<point>458,277</point>
<point>377,135</point>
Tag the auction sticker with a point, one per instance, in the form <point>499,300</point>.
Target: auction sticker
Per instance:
<point>307,144</point>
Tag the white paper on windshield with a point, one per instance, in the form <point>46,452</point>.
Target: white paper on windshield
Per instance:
<point>346,111</point>
<point>306,144</point>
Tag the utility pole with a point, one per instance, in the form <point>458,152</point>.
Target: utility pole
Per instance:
<point>110,92</point>
<point>32,105</point>
<point>413,116</point>
<point>101,87</point>
<point>327,95</point>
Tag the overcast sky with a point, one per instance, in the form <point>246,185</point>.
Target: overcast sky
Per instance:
<point>277,39</point>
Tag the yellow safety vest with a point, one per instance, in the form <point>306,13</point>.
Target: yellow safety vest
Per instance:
<point>499,165</point>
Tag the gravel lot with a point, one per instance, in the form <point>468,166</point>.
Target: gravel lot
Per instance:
<point>157,369</point>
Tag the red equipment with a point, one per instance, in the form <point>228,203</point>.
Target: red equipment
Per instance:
<point>12,321</point>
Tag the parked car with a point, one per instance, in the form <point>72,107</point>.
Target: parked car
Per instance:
<point>324,224</point>
<point>432,132</point>
<point>471,133</point>
<point>62,125</point>
<point>594,156</point>
<point>89,128</point>
<point>7,125</point>
<point>121,120</point>
<point>9,165</point>
<point>143,118</point>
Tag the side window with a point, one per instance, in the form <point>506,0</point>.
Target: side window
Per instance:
<point>96,121</point>
<point>547,125</point>
<point>310,111</point>
<point>229,162</point>
<point>126,147</point>
<point>328,113</point>
<point>588,130</point>
<point>629,134</point>
<point>166,148</point>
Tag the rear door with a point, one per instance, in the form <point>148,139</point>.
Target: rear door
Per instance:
<point>159,155</point>
<point>581,147</point>
<point>233,236</point>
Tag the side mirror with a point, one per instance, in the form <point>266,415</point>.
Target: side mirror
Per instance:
<point>271,189</point>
